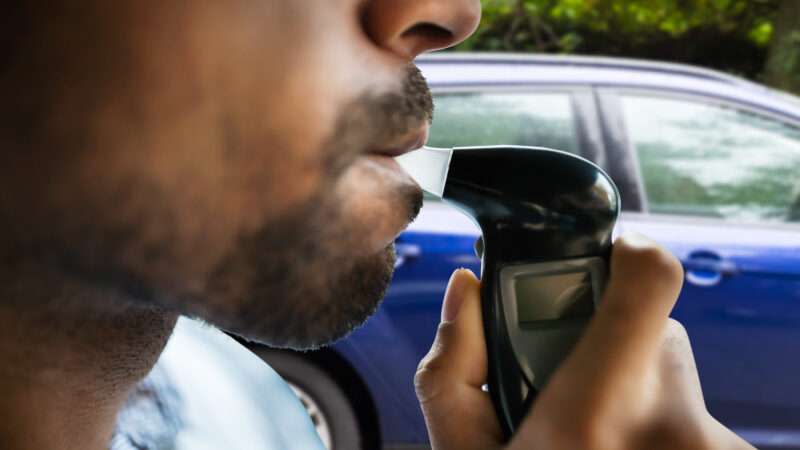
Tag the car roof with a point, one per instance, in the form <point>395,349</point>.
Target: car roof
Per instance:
<point>454,70</point>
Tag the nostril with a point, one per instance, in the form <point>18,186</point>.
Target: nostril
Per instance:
<point>429,32</point>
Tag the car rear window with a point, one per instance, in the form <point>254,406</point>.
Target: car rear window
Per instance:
<point>712,160</point>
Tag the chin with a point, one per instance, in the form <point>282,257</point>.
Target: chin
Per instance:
<point>318,311</point>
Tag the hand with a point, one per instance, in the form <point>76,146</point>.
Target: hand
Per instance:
<point>630,383</point>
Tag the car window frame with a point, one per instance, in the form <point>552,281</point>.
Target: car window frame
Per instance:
<point>582,101</point>
<point>610,105</point>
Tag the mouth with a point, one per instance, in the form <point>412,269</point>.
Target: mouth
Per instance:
<point>403,144</point>
<point>406,193</point>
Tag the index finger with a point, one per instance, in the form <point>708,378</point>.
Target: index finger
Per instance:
<point>624,337</point>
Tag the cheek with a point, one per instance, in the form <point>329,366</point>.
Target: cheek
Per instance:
<point>224,116</point>
<point>283,109</point>
<point>216,125</point>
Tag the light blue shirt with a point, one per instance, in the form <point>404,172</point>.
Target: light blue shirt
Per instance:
<point>211,393</point>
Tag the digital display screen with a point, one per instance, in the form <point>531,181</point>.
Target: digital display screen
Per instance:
<point>554,297</point>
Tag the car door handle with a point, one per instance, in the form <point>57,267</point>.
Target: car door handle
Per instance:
<point>706,269</point>
<point>405,252</point>
<point>723,267</point>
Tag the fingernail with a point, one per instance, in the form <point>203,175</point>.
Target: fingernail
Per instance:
<point>454,296</point>
<point>636,239</point>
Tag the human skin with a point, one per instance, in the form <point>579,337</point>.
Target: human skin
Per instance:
<point>201,156</point>
<point>224,160</point>
<point>630,383</point>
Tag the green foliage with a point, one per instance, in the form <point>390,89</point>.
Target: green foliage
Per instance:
<point>782,69</point>
<point>731,35</point>
<point>761,33</point>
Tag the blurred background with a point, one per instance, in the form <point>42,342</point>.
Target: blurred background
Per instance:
<point>755,39</point>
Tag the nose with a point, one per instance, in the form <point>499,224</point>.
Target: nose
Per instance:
<point>411,27</point>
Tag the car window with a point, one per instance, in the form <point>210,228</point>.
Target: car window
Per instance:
<point>714,161</point>
<point>543,119</point>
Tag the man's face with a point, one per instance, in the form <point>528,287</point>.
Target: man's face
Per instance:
<point>230,160</point>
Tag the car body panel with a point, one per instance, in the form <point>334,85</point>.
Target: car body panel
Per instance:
<point>745,327</point>
<point>743,338</point>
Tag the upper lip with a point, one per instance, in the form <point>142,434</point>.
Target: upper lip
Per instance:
<point>404,143</point>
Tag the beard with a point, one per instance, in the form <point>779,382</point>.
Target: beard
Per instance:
<point>304,280</point>
<point>297,284</point>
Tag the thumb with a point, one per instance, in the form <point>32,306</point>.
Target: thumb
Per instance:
<point>458,354</point>
<point>449,379</point>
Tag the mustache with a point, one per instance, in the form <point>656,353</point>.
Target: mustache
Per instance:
<point>375,118</point>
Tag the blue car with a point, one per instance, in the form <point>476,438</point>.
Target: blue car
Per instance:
<point>707,164</point>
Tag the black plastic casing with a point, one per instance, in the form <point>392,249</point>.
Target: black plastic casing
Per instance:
<point>533,205</point>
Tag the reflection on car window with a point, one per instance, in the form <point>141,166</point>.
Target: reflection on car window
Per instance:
<point>535,119</point>
<point>708,160</point>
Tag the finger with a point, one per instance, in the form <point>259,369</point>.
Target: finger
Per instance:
<point>458,354</point>
<point>449,379</point>
<point>678,370</point>
<point>624,337</point>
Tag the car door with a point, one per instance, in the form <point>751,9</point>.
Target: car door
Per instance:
<point>720,184</point>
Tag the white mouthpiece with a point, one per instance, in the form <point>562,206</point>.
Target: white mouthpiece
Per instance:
<point>428,166</point>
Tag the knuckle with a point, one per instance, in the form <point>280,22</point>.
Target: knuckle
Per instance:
<point>676,339</point>
<point>425,381</point>
<point>645,251</point>
<point>677,350</point>
<point>429,375</point>
<point>676,331</point>
<point>425,377</point>
<point>648,261</point>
